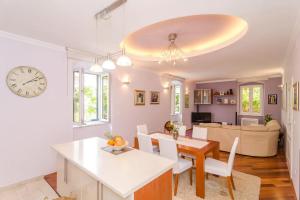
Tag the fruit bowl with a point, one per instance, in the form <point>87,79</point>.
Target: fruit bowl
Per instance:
<point>118,147</point>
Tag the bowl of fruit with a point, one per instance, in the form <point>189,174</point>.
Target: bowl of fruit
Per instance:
<point>117,143</point>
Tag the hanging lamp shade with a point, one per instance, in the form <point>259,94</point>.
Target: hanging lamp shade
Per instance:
<point>96,67</point>
<point>108,64</point>
<point>124,60</point>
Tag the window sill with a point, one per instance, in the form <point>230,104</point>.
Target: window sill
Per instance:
<point>88,124</point>
<point>251,115</point>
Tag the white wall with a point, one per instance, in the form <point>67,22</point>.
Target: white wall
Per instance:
<point>30,126</point>
<point>292,120</point>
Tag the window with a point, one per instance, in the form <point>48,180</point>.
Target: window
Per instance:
<point>251,100</point>
<point>90,97</point>
<point>177,99</point>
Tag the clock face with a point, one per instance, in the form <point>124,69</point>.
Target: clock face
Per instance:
<point>26,81</point>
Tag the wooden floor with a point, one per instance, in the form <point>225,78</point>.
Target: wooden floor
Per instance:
<point>275,180</point>
<point>274,174</point>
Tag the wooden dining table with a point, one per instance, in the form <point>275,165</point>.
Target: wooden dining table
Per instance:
<point>199,153</point>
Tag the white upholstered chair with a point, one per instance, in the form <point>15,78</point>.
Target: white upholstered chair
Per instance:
<point>213,166</point>
<point>142,128</point>
<point>168,149</point>
<point>145,144</point>
<point>199,133</point>
<point>182,130</point>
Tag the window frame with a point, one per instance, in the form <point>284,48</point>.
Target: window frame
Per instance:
<point>173,99</point>
<point>180,93</point>
<point>100,76</point>
<point>251,113</point>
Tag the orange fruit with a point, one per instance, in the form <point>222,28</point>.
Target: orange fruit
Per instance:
<point>111,142</point>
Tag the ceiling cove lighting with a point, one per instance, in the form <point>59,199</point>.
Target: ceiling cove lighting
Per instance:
<point>192,35</point>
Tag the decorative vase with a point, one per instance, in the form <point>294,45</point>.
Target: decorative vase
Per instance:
<point>175,134</point>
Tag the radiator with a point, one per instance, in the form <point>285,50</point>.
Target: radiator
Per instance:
<point>248,121</point>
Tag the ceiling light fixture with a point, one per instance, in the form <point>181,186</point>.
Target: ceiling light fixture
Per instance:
<point>124,60</point>
<point>96,67</point>
<point>173,53</point>
<point>108,63</point>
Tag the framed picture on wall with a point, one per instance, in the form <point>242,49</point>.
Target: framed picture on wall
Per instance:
<point>186,101</point>
<point>154,97</point>
<point>296,96</point>
<point>272,99</point>
<point>139,97</point>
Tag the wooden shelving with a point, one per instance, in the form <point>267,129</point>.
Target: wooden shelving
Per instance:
<point>225,95</point>
<point>231,104</point>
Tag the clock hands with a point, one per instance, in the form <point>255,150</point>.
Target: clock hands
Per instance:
<point>34,79</point>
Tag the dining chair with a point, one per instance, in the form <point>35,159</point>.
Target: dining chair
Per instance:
<point>182,130</point>
<point>216,167</point>
<point>142,128</point>
<point>199,133</point>
<point>145,143</point>
<point>168,149</point>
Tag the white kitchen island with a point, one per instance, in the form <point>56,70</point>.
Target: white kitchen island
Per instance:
<point>87,172</point>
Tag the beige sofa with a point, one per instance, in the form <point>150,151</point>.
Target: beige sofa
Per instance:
<point>255,140</point>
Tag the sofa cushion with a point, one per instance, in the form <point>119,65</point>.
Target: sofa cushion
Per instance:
<point>232,127</point>
<point>273,125</point>
<point>259,128</point>
<point>213,125</point>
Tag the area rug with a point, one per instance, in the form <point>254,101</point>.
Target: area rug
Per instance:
<point>247,187</point>
<point>34,190</point>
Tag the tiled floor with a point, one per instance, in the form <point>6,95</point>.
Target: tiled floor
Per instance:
<point>33,190</point>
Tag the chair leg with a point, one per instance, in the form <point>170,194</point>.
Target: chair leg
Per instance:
<point>193,161</point>
<point>229,184</point>
<point>231,178</point>
<point>191,176</point>
<point>176,184</point>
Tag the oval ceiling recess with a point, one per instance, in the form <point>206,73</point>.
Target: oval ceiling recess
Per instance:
<point>196,35</point>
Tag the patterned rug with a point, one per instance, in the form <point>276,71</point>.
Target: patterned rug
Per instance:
<point>247,187</point>
<point>33,190</point>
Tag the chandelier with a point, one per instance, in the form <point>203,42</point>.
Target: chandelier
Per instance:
<point>173,53</point>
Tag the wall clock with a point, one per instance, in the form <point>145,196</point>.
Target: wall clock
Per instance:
<point>26,81</point>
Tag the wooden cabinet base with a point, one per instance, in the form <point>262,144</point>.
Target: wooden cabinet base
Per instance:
<point>158,189</point>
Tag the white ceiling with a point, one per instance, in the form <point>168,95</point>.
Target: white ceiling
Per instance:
<point>71,23</point>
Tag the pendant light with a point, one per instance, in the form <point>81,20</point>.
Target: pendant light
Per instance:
<point>123,60</point>
<point>96,67</point>
<point>108,63</point>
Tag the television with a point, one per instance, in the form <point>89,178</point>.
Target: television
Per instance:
<point>201,117</point>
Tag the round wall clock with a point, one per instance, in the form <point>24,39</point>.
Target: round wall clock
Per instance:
<point>26,81</point>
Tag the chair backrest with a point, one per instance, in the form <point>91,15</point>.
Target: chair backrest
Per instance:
<point>232,155</point>
<point>145,142</point>
<point>182,130</point>
<point>199,133</point>
<point>168,148</point>
<point>142,128</point>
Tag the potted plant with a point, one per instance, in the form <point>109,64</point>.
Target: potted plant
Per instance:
<point>268,117</point>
